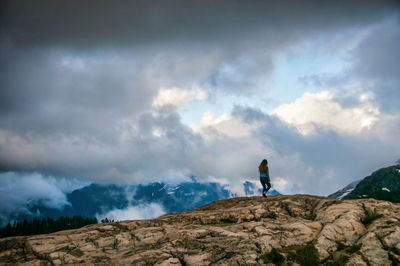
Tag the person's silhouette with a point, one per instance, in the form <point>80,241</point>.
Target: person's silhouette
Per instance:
<point>264,176</point>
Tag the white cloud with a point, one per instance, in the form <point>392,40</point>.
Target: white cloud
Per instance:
<point>281,184</point>
<point>314,110</point>
<point>20,189</point>
<point>145,211</point>
<point>178,97</point>
<point>158,132</point>
<point>225,124</point>
<point>17,190</point>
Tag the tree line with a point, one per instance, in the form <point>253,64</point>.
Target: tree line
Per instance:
<point>45,225</point>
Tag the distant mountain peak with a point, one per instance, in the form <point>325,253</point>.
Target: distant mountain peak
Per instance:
<point>382,184</point>
<point>340,194</point>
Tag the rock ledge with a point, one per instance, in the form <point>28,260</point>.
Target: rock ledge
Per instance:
<point>237,231</point>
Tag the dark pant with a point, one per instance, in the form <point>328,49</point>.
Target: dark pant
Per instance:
<point>264,188</point>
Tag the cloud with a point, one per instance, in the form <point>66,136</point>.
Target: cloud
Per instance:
<point>178,97</point>
<point>18,190</point>
<point>140,212</point>
<point>225,125</point>
<point>320,110</point>
<point>321,162</point>
<point>375,63</point>
<point>87,92</point>
<point>369,67</point>
<point>66,23</point>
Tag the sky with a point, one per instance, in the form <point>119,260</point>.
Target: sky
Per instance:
<point>133,92</point>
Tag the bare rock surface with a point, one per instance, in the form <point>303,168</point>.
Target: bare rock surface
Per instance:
<point>237,231</point>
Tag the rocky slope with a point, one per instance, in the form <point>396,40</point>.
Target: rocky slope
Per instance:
<point>238,231</point>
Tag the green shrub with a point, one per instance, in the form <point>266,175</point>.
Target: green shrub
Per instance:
<point>310,216</point>
<point>349,249</point>
<point>120,226</point>
<point>354,248</point>
<point>270,215</point>
<point>339,260</point>
<point>340,245</point>
<point>307,255</point>
<point>229,220</point>
<point>274,256</point>
<point>291,256</point>
<point>394,250</point>
<point>369,218</point>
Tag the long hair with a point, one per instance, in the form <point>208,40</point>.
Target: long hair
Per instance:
<point>263,166</point>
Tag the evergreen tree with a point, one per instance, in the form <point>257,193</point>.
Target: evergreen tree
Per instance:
<point>45,225</point>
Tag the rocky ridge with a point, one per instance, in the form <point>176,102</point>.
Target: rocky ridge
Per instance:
<point>237,231</point>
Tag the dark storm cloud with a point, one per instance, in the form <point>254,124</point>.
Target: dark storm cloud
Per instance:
<point>377,61</point>
<point>62,92</point>
<point>88,24</point>
<point>242,36</point>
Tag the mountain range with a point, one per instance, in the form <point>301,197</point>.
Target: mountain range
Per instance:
<point>383,184</point>
<point>97,200</point>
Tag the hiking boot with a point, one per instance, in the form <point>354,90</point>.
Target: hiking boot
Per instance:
<point>264,194</point>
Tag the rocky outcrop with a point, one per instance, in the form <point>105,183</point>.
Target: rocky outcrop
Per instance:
<point>239,231</point>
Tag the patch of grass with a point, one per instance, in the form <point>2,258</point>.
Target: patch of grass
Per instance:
<point>340,245</point>
<point>291,255</point>
<point>338,259</point>
<point>354,248</point>
<point>370,217</point>
<point>287,209</point>
<point>222,222</point>
<point>304,255</point>
<point>341,255</point>
<point>395,261</point>
<point>350,249</point>
<point>274,256</point>
<point>307,255</point>
<point>115,243</point>
<point>128,253</point>
<point>270,215</point>
<point>310,216</point>
<point>76,252</point>
<point>394,250</point>
<point>229,220</point>
<point>120,226</point>
<point>102,259</point>
<point>246,220</point>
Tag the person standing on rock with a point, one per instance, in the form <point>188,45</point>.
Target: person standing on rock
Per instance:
<point>264,176</point>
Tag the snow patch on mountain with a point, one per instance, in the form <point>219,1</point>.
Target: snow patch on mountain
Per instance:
<point>345,193</point>
<point>340,194</point>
